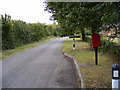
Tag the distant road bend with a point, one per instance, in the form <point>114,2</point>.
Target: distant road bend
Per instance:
<point>43,66</point>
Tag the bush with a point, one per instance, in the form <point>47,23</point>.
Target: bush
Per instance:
<point>110,47</point>
<point>88,39</point>
<point>16,32</point>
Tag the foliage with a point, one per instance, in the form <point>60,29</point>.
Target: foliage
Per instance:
<point>112,10</point>
<point>88,39</point>
<point>76,16</point>
<point>110,46</point>
<point>107,45</point>
<point>16,33</point>
<point>0,34</point>
<point>87,17</point>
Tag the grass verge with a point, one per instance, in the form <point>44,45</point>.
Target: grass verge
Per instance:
<point>7,53</point>
<point>99,76</point>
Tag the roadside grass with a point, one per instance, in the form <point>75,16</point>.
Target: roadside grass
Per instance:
<point>7,53</point>
<point>96,76</point>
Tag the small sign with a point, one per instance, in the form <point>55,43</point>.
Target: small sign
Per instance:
<point>115,73</point>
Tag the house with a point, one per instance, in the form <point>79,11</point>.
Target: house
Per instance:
<point>113,29</point>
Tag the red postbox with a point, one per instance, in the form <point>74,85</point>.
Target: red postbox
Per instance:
<point>96,43</point>
<point>95,40</point>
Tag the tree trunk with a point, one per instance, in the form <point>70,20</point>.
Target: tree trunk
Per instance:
<point>83,35</point>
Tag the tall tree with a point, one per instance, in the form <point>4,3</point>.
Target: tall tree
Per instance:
<point>79,15</point>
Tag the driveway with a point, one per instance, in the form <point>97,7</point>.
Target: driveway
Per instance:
<point>43,66</point>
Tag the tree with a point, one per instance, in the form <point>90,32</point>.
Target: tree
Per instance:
<point>112,15</point>
<point>75,15</point>
<point>72,16</point>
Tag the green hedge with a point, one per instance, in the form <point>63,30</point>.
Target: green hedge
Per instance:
<point>16,32</point>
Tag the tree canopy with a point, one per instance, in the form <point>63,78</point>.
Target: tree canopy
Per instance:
<point>76,16</point>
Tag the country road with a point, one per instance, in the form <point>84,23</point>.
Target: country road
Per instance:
<point>43,66</point>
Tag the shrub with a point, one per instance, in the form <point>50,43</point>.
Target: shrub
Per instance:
<point>88,39</point>
<point>110,47</point>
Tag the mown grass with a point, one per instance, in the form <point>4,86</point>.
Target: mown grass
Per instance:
<point>99,76</point>
<point>7,53</point>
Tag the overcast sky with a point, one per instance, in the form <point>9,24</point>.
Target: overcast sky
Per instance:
<point>30,11</point>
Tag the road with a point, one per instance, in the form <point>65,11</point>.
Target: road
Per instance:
<point>43,66</point>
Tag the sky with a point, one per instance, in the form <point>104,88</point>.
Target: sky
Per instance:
<point>30,11</point>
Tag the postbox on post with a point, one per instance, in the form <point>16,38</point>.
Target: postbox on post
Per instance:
<point>95,44</point>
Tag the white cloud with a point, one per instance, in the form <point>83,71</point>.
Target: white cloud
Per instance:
<point>26,10</point>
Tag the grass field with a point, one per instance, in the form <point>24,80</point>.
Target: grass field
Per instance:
<point>7,53</point>
<point>99,76</point>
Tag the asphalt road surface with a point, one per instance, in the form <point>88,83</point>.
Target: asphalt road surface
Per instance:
<point>43,66</point>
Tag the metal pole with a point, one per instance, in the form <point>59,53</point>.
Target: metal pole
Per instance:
<point>96,55</point>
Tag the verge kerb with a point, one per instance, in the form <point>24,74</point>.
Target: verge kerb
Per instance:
<point>77,67</point>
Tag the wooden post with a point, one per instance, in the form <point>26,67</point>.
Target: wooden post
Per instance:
<point>73,43</point>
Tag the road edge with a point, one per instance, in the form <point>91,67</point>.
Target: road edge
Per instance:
<point>77,67</point>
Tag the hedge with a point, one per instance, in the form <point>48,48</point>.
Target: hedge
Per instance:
<point>16,32</point>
